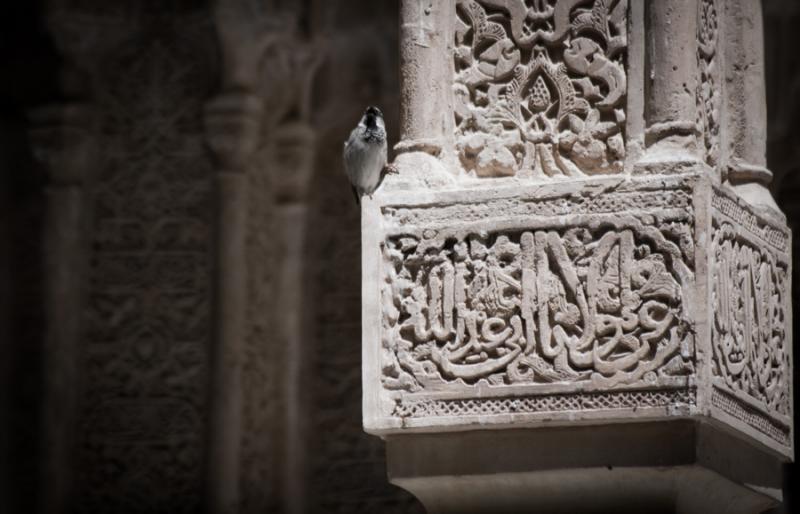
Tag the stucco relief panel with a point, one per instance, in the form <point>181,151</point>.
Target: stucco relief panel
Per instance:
<point>602,300</point>
<point>540,87</point>
<point>750,299</point>
<point>709,97</point>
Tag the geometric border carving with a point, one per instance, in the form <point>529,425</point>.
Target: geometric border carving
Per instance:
<point>564,402</point>
<point>752,416</point>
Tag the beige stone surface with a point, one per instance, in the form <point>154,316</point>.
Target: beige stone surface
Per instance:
<point>577,301</point>
<point>599,254</point>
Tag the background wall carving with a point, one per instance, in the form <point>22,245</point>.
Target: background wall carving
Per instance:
<point>148,319</point>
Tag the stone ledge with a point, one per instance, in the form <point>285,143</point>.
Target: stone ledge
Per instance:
<point>678,466</point>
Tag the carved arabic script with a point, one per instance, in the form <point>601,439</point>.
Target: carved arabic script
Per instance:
<point>749,288</point>
<point>600,304</point>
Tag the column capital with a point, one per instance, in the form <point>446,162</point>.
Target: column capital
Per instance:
<point>268,66</point>
<point>295,144</point>
<point>62,141</point>
<point>233,126</point>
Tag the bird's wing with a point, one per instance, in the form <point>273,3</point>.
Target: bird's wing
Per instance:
<point>384,153</point>
<point>347,152</point>
<point>348,145</point>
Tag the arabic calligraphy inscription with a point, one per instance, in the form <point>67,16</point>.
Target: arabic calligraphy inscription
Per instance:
<point>596,303</point>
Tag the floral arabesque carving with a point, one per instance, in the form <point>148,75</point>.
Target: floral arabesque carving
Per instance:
<point>750,300</point>
<point>599,303</point>
<point>708,89</point>
<point>540,87</point>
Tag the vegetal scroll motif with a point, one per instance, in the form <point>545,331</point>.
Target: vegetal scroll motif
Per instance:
<point>708,88</point>
<point>749,288</point>
<point>604,304</point>
<point>540,86</point>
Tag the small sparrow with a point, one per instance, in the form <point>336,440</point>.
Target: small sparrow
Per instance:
<point>365,154</point>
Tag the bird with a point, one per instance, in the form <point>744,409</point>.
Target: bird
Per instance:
<point>365,154</point>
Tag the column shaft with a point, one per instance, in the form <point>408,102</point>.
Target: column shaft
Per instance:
<point>670,84</point>
<point>426,74</point>
<point>63,247</point>
<point>745,118</point>
<point>226,397</point>
<point>292,219</point>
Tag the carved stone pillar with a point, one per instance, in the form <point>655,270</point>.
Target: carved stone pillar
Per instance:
<point>577,312</point>
<point>424,77</point>
<point>232,125</point>
<point>296,143</point>
<point>746,106</point>
<point>62,143</point>
<point>258,129</point>
<point>669,86</point>
<point>234,129</point>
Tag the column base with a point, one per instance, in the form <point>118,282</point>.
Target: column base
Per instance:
<point>670,467</point>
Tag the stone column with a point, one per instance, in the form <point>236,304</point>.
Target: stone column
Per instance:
<point>559,318</point>
<point>62,143</point>
<point>425,75</point>
<point>232,126</point>
<point>746,104</point>
<point>297,151</point>
<point>258,127</point>
<point>669,87</point>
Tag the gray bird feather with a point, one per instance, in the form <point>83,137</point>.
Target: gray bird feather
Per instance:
<point>365,153</point>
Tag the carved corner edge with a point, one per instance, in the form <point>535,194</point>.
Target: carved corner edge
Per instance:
<point>735,409</point>
<point>371,262</point>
